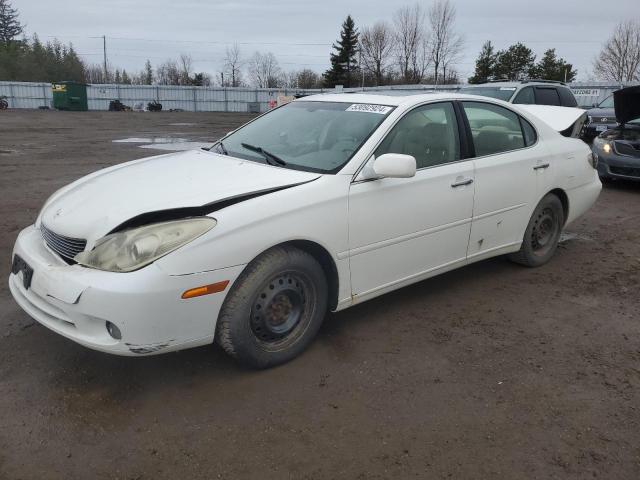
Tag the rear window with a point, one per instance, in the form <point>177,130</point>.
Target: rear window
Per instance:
<point>547,96</point>
<point>494,129</point>
<point>501,93</point>
<point>566,97</point>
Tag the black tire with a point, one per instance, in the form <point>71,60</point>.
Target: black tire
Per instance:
<point>542,234</point>
<point>274,309</point>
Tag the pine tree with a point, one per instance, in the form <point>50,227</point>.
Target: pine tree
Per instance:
<point>485,64</point>
<point>551,67</point>
<point>147,75</point>
<point>514,63</point>
<point>10,27</point>
<point>344,64</point>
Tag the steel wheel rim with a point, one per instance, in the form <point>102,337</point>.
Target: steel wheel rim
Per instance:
<point>280,308</point>
<point>544,232</point>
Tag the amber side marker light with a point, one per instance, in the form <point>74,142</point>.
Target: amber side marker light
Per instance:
<point>206,289</point>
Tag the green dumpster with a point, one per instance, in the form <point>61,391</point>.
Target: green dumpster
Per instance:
<point>70,96</point>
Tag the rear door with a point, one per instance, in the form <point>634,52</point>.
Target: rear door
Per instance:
<point>507,162</point>
<point>404,229</point>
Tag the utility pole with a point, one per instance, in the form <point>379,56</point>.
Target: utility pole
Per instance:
<point>361,68</point>
<point>104,51</point>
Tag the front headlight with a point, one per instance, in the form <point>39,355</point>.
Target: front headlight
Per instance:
<point>602,144</point>
<point>133,249</point>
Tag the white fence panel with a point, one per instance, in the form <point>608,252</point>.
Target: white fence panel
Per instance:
<point>216,99</point>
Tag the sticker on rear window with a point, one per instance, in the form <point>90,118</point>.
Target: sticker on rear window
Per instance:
<point>511,89</point>
<point>365,107</point>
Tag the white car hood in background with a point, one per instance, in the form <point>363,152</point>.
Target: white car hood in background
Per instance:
<point>558,118</point>
<point>94,206</point>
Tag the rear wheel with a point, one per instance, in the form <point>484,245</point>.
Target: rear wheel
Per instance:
<point>275,308</point>
<point>542,234</point>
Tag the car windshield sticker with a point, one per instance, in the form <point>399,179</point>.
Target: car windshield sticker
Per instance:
<point>365,107</point>
<point>511,89</point>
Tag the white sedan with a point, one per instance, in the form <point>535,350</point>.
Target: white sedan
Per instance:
<point>320,204</point>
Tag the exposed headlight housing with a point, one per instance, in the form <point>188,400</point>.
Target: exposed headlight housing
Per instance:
<point>133,249</point>
<point>602,144</point>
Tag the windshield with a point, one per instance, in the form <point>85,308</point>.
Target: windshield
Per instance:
<point>312,136</point>
<point>607,102</point>
<point>502,93</point>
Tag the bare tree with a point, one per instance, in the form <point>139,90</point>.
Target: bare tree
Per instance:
<point>445,45</point>
<point>168,73</point>
<point>619,59</point>
<point>307,78</point>
<point>233,66</point>
<point>376,44</point>
<point>410,41</point>
<point>185,63</point>
<point>264,70</point>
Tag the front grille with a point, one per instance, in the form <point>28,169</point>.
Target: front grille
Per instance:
<point>66,247</point>
<point>626,171</point>
<point>604,120</point>
<point>624,148</point>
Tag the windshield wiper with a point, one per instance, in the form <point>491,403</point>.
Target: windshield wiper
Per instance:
<point>268,156</point>
<point>219,146</point>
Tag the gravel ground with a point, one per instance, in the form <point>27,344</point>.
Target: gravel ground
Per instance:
<point>491,371</point>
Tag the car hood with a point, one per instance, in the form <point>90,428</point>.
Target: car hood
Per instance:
<point>627,103</point>
<point>183,183</point>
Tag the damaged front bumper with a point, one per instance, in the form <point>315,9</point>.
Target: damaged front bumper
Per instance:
<point>145,305</point>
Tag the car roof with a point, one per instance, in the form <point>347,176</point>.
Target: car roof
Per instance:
<point>391,100</point>
<point>518,83</point>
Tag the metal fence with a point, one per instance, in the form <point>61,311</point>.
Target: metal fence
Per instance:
<point>217,99</point>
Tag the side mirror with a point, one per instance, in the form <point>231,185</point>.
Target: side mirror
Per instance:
<point>395,165</point>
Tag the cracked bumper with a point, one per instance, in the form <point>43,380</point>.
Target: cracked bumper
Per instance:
<point>146,305</point>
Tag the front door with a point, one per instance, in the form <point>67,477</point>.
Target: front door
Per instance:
<point>404,230</point>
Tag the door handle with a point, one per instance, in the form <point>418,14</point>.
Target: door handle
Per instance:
<point>462,183</point>
<point>542,166</point>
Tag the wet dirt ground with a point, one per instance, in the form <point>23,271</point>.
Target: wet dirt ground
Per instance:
<point>491,371</point>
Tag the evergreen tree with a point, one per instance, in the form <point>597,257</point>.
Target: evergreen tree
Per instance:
<point>485,64</point>
<point>126,80</point>
<point>515,63</point>
<point>147,75</point>
<point>551,67</point>
<point>344,64</point>
<point>10,27</point>
<point>118,79</point>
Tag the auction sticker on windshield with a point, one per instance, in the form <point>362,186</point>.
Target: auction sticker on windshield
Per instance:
<point>365,107</point>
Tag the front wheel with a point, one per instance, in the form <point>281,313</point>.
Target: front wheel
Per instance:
<point>542,234</point>
<point>274,309</point>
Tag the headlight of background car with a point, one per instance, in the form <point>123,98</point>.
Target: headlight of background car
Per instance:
<point>602,144</point>
<point>133,249</point>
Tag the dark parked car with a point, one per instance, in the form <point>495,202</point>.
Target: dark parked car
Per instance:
<point>600,118</point>
<point>617,150</point>
<point>531,92</point>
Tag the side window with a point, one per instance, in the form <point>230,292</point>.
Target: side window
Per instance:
<point>566,97</point>
<point>525,96</point>
<point>495,129</point>
<point>547,96</point>
<point>429,133</point>
<point>529,132</point>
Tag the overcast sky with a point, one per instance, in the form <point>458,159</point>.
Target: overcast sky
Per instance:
<point>300,33</point>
